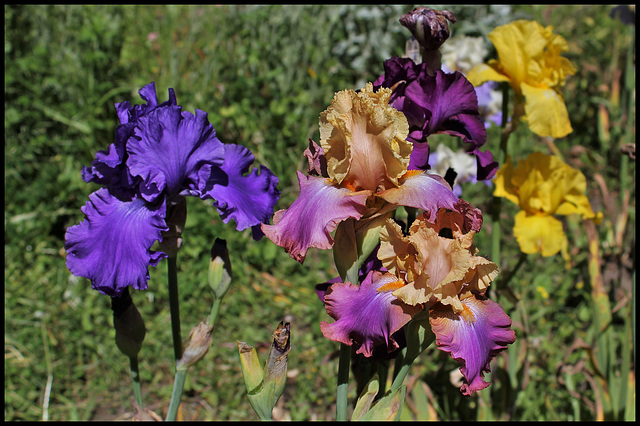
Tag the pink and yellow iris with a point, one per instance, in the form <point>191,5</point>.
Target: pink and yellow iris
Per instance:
<point>358,175</point>
<point>434,268</point>
<point>358,171</point>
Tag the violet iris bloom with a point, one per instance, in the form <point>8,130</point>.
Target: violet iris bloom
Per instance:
<point>439,103</point>
<point>160,155</point>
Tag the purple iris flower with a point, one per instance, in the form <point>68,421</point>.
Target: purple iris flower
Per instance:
<point>438,103</point>
<point>160,155</point>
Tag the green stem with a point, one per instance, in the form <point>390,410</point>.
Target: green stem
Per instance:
<point>383,372</point>
<point>215,308</point>
<point>402,373</point>
<point>176,395</point>
<point>351,276</point>
<point>507,129</point>
<point>174,306</point>
<point>135,377</point>
<point>343,382</point>
<point>419,337</point>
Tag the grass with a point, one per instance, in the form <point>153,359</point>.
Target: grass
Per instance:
<point>264,74</point>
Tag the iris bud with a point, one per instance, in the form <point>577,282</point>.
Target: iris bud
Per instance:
<point>128,323</point>
<point>219,268</point>
<point>196,346</point>
<point>266,385</point>
<point>428,26</point>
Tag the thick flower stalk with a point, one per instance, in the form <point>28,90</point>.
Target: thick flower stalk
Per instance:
<point>358,174</point>
<point>543,186</point>
<point>529,59</point>
<point>160,155</point>
<point>439,103</point>
<point>434,268</point>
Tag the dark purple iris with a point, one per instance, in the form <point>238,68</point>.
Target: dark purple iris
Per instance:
<point>439,103</point>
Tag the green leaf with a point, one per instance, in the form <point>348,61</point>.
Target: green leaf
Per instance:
<point>366,398</point>
<point>388,408</point>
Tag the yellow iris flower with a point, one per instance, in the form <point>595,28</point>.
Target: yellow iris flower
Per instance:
<point>529,60</point>
<point>543,186</point>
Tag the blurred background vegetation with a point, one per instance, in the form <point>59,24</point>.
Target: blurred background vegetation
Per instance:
<point>264,73</point>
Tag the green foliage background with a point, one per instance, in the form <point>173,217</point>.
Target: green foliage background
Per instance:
<point>264,73</point>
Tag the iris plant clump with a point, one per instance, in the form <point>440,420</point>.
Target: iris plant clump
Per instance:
<point>162,154</point>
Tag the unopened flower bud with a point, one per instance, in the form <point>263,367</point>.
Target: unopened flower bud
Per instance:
<point>265,385</point>
<point>276,368</point>
<point>252,371</point>
<point>428,26</point>
<point>196,345</point>
<point>219,268</point>
<point>176,219</point>
<point>128,323</point>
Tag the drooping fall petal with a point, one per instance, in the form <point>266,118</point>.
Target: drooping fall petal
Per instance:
<point>473,337</point>
<point>309,221</point>
<point>112,247</point>
<point>365,317</point>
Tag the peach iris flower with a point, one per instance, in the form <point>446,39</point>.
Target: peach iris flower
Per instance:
<point>436,267</point>
<point>358,175</point>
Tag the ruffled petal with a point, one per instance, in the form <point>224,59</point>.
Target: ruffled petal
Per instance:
<point>246,197</point>
<point>131,114</point>
<point>546,112</point>
<point>453,106</point>
<point>112,247</point>
<point>441,265</point>
<point>364,139</point>
<point>365,317</point>
<point>473,337</point>
<point>172,147</point>
<point>422,191</point>
<point>309,221</point>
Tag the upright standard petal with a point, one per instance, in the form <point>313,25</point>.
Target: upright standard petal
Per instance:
<point>436,262</point>
<point>439,103</point>
<point>473,337</point>
<point>453,106</point>
<point>112,247</point>
<point>172,147</point>
<point>309,221</point>
<point>364,140</point>
<point>365,317</point>
<point>246,197</point>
